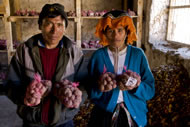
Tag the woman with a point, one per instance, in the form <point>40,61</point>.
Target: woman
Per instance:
<point>118,107</point>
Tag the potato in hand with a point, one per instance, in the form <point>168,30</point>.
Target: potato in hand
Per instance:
<point>107,82</point>
<point>128,80</point>
<point>68,93</point>
<point>36,91</point>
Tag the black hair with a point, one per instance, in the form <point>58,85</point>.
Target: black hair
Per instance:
<point>52,11</point>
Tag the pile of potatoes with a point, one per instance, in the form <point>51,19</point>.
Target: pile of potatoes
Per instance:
<point>172,97</point>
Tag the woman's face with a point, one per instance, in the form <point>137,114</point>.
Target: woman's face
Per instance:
<point>116,37</point>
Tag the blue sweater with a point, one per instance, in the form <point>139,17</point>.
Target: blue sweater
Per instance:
<point>135,100</point>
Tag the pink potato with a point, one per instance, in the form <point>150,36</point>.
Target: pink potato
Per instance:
<point>107,82</point>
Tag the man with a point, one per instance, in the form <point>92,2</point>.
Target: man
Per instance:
<point>54,57</point>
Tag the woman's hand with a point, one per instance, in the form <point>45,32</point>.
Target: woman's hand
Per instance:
<point>128,80</point>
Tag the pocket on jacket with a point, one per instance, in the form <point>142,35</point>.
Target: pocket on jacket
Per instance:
<point>30,114</point>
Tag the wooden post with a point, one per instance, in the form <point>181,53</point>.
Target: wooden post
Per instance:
<point>18,23</point>
<point>125,5</point>
<point>168,35</point>
<point>78,23</point>
<point>2,9</point>
<point>139,22</point>
<point>8,30</point>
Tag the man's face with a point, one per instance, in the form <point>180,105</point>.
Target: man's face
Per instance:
<point>53,30</point>
<point>116,37</point>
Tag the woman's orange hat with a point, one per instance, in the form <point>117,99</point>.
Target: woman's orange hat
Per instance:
<point>114,19</point>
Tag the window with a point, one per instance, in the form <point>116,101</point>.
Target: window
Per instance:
<point>179,21</point>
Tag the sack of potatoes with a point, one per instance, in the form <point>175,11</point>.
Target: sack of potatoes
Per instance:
<point>68,93</point>
<point>36,91</point>
<point>127,79</point>
<point>107,82</point>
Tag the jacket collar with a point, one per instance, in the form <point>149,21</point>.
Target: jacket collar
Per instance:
<point>37,40</point>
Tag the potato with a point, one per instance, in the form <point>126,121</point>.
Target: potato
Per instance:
<point>76,105</point>
<point>31,101</point>
<point>111,83</point>
<point>108,78</point>
<point>106,82</point>
<point>73,97</point>
<point>65,82</point>
<point>77,92</point>
<point>38,100</point>
<point>69,104</point>
<point>114,86</point>
<point>42,90</point>
<point>108,87</point>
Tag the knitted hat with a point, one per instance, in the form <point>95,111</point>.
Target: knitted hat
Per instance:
<point>51,11</point>
<point>112,20</point>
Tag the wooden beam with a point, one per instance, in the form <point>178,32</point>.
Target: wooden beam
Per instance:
<point>8,30</point>
<point>8,33</point>
<point>18,22</point>
<point>125,5</point>
<point>139,22</point>
<point>17,18</point>
<point>78,23</point>
<point>2,9</point>
<point>169,18</point>
<point>179,7</point>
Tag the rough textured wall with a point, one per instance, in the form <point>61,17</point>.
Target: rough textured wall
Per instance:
<point>157,57</point>
<point>99,5</point>
<point>88,29</point>
<point>158,21</point>
<point>29,27</point>
<point>157,49</point>
<point>2,34</point>
<point>88,25</point>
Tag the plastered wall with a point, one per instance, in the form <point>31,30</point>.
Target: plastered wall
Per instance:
<point>157,49</point>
